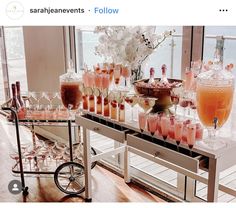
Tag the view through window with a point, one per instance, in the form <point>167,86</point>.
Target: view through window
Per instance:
<point>168,53</point>
<point>16,56</point>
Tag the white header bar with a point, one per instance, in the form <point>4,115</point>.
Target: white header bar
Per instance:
<point>117,12</point>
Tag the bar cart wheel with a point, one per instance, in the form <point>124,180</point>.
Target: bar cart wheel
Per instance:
<point>69,178</point>
<point>25,191</point>
<point>93,152</point>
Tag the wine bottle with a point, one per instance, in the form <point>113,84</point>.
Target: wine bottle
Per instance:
<point>19,94</point>
<point>163,80</point>
<point>15,105</point>
<point>152,73</point>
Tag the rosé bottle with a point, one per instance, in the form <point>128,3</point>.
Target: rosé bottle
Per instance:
<point>152,123</point>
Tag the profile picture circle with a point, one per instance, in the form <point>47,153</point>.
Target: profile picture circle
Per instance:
<point>14,10</point>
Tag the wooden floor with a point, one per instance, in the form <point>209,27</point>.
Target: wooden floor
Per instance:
<point>107,187</point>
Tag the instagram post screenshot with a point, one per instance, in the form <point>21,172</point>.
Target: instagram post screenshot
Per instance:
<point>114,102</point>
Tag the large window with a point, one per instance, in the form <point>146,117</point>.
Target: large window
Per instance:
<point>16,56</point>
<point>12,67</point>
<point>227,36</point>
<point>168,53</point>
<point>2,94</point>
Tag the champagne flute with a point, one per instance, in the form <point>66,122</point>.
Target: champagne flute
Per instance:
<point>178,128</point>
<point>125,72</point>
<point>175,95</point>
<point>50,96</point>
<point>152,123</point>
<point>165,122</point>
<point>191,136</point>
<point>37,96</point>
<point>142,119</point>
<point>132,100</point>
<point>146,103</point>
<point>117,74</point>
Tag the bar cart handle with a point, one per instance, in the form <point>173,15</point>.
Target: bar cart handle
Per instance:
<point>96,129</point>
<point>156,154</point>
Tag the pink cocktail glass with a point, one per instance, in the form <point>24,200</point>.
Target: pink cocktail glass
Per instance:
<point>152,123</point>
<point>142,119</point>
<point>191,136</point>
<point>125,72</point>
<point>171,131</point>
<point>117,74</point>
<point>105,81</point>
<point>91,83</point>
<point>98,81</point>
<point>178,128</point>
<point>199,132</point>
<point>165,122</point>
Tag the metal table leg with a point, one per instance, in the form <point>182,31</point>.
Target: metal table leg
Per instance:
<point>24,188</point>
<point>213,181</point>
<point>87,165</point>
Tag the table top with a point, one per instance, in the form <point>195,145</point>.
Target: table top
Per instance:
<point>200,147</point>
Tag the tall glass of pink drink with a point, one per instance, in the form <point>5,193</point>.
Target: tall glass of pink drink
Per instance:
<point>142,119</point>
<point>152,123</point>
<point>165,122</point>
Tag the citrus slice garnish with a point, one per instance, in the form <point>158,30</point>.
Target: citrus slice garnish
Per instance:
<point>96,92</point>
<point>88,91</point>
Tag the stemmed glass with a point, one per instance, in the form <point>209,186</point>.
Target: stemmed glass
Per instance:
<point>146,103</point>
<point>191,136</point>
<point>37,96</point>
<point>50,96</point>
<point>184,103</point>
<point>89,91</point>
<point>142,119</point>
<point>117,74</point>
<point>105,89</point>
<point>152,123</point>
<point>175,95</point>
<point>114,104</point>
<point>132,100</point>
<point>125,72</point>
<point>178,128</point>
<point>165,122</point>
